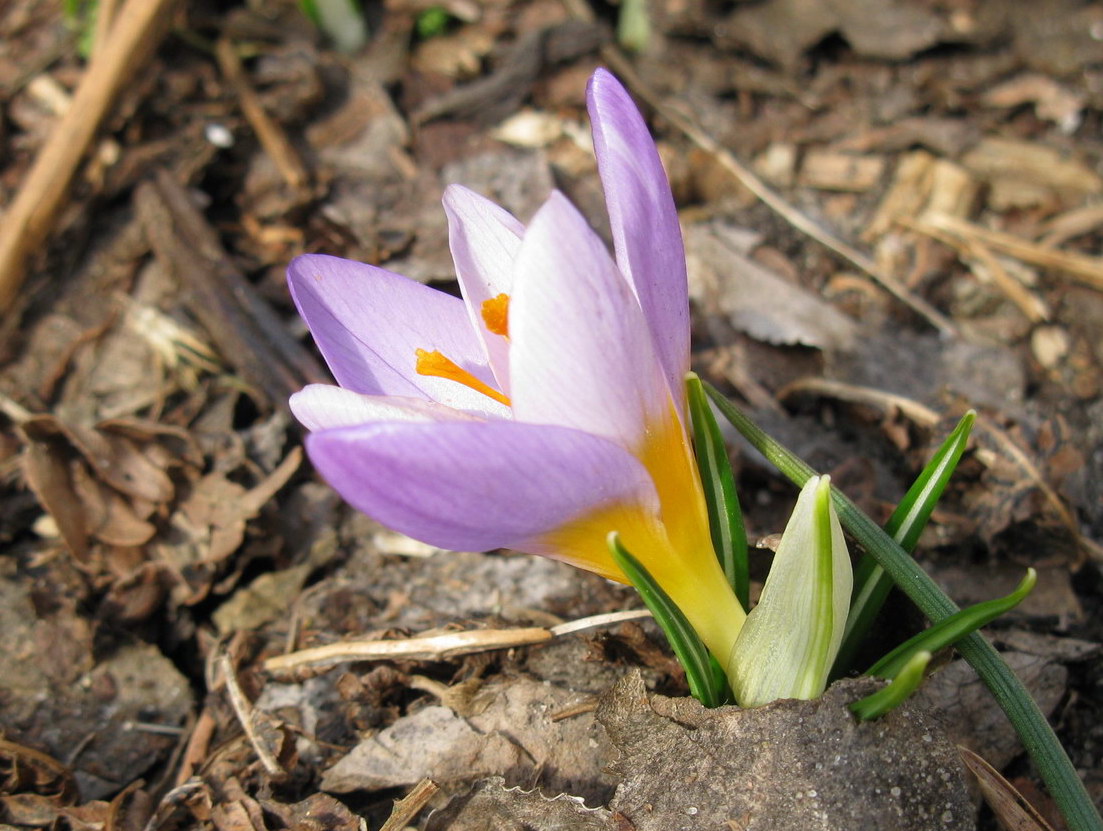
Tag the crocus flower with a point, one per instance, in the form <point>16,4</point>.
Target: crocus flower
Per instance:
<point>544,409</point>
<point>790,639</point>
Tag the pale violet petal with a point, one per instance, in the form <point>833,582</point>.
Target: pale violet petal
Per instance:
<point>484,240</point>
<point>582,355</point>
<point>476,485</point>
<point>369,323</point>
<point>324,407</point>
<point>644,221</point>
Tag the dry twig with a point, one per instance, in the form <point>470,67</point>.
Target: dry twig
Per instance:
<point>1087,270</point>
<point>919,413</point>
<point>246,330</point>
<point>244,712</point>
<point>437,647</point>
<point>105,20</point>
<point>270,134</point>
<point>30,218</point>
<point>425,648</point>
<point>409,807</point>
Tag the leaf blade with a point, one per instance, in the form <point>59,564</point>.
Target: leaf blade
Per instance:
<point>871,584</point>
<point>729,535</point>
<point>700,667</point>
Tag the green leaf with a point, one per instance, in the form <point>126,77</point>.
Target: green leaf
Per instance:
<point>341,20</point>
<point>871,584</point>
<point>729,536</point>
<point>953,628</point>
<point>787,644</point>
<point>1030,723</point>
<point>432,22</point>
<point>634,25</point>
<point>310,9</point>
<point>907,681</point>
<point>80,15</point>
<point>706,679</point>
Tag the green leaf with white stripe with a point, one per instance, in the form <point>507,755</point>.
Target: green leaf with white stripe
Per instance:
<point>953,628</point>
<point>703,673</point>
<point>729,536</point>
<point>788,643</point>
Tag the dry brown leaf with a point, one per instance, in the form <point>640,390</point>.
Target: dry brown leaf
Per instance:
<point>318,812</point>
<point>965,708</point>
<point>26,769</point>
<point>514,736</point>
<point>217,509</point>
<point>727,284</point>
<point>234,816</point>
<point>104,482</point>
<point>493,805</point>
<point>33,810</point>
<point>1009,806</point>
<point>46,467</point>
<point>107,515</point>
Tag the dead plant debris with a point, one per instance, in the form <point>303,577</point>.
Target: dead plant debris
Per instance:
<point>892,214</point>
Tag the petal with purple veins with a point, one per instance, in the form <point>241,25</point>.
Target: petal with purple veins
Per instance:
<point>369,324</point>
<point>582,354</point>
<point>474,486</point>
<point>644,221</point>
<point>484,240</point>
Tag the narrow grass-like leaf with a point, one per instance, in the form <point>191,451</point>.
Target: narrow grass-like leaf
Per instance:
<point>888,698</point>
<point>703,674</point>
<point>953,628</point>
<point>871,584</point>
<point>729,535</point>
<point>310,9</point>
<point>1030,723</point>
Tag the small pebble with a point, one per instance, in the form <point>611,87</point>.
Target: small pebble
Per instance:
<point>219,135</point>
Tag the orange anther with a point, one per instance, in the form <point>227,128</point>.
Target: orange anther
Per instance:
<point>496,314</point>
<point>436,365</point>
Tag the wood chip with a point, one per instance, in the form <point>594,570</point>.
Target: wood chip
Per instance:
<point>1022,173</point>
<point>923,183</point>
<point>1087,270</point>
<point>828,170</point>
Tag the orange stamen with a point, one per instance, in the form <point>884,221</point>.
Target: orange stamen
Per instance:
<point>496,315</point>
<point>435,364</point>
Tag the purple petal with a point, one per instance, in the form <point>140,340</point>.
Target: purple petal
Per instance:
<point>369,324</point>
<point>582,354</point>
<point>324,407</point>
<point>646,235</point>
<point>474,486</point>
<point>484,240</point>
